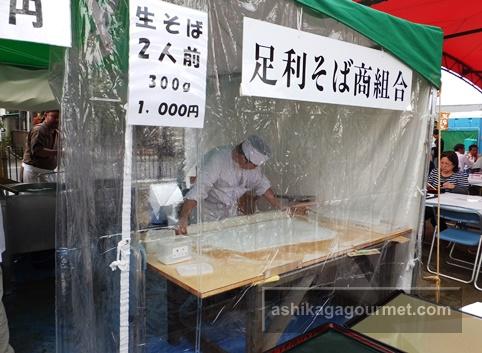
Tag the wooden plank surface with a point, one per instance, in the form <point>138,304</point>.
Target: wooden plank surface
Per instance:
<point>233,270</point>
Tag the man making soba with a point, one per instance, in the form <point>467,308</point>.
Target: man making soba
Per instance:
<point>228,174</point>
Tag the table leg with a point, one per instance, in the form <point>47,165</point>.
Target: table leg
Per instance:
<point>279,324</point>
<point>259,338</point>
<point>176,296</point>
<point>254,324</point>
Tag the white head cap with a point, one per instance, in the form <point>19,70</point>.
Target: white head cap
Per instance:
<point>256,150</point>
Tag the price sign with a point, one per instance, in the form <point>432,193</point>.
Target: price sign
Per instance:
<point>167,64</point>
<point>39,21</point>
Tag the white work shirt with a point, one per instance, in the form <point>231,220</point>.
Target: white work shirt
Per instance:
<point>471,159</point>
<point>463,161</point>
<point>222,182</point>
<point>478,163</point>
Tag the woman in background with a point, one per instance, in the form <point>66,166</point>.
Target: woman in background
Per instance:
<point>451,178</point>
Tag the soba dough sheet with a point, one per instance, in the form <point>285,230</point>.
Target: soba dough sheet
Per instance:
<point>266,235</point>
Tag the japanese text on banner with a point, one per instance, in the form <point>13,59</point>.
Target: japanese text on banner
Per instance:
<point>39,21</point>
<point>167,64</point>
<point>280,62</point>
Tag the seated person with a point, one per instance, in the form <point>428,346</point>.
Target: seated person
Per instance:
<point>473,155</point>
<point>464,164</point>
<point>477,166</point>
<point>451,178</point>
<point>436,149</point>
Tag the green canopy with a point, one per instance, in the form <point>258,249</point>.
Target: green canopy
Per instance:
<point>418,46</point>
<point>25,54</point>
<point>24,76</point>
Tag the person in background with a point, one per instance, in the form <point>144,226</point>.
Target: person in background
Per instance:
<point>464,163</point>
<point>477,166</point>
<point>451,178</point>
<point>40,153</point>
<point>37,118</point>
<point>473,154</point>
<point>436,149</point>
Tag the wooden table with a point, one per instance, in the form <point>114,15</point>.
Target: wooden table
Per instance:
<point>233,270</point>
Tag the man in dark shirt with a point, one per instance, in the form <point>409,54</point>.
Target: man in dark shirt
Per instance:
<point>40,155</point>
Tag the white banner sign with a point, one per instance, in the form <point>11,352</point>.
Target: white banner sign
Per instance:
<point>167,64</point>
<point>281,62</point>
<point>39,21</point>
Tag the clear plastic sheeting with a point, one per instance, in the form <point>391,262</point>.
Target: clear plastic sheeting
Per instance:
<point>346,178</point>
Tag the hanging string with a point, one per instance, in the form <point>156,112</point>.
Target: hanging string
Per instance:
<point>436,278</point>
<point>439,152</point>
<point>299,19</point>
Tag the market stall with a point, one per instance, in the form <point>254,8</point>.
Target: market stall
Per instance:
<point>347,131</point>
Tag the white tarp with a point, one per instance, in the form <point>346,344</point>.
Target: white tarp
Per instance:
<point>28,90</point>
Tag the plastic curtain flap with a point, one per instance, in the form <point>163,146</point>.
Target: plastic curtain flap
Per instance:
<point>244,277</point>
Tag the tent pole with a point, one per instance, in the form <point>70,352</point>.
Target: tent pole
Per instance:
<point>126,237</point>
<point>123,247</point>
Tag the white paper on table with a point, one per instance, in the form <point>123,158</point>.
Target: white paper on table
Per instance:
<point>473,309</point>
<point>194,269</point>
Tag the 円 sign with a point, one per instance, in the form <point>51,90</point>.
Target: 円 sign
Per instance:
<point>39,21</point>
<point>167,64</point>
<point>280,62</point>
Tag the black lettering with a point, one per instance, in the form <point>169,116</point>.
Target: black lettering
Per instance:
<point>152,84</point>
<point>182,110</point>
<point>175,84</point>
<point>144,17</point>
<point>37,12</point>
<point>142,53</point>
<point>193,109</point>
<point>164,82</point>
<point>173,109</point>
<point>163,109</point>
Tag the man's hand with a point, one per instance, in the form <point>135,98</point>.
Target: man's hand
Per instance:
<point>186,209</point>
<point>181,228</point>
<point>297,211</point>
<point>272,199</point>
